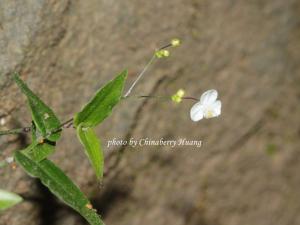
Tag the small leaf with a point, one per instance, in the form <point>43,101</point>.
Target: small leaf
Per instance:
<point>40,148</point>
<point>60,185</point>
<point>92,147</point>
<point>8,199</point>
<point>43,117</point>
<point>39,151</point>
<point>102,103</point>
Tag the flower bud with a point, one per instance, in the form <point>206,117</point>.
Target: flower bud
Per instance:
<point>175,42</point>
<point>162,53</point>
<point>177,98</point>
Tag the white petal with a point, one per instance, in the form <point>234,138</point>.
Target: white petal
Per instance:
<point>209,97</point>
<point>213,110</point>
<point>197,112</point>
<point>217,107</point>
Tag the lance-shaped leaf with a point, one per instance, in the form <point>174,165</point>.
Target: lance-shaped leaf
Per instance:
<point>92,146</point>
<point>8,199</point>
<point>60,185</point>
<point>102,103</point>
<point>43,117</point>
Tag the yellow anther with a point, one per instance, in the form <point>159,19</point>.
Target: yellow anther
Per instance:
<point>209,114</point>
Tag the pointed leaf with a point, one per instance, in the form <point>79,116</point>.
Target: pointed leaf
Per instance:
<point>60,185</point>
<point>92,146</point>
<point>43,117</point>
<point>102,103</point>
<point>8,199</point>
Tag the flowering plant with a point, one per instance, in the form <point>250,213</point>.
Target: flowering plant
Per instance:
<point>46,129</point>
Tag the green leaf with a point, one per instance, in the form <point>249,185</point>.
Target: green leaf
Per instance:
<point>92,145</point>
<point>43,117</point>
<point>60,185</point>
<point>8,199</point>
<point>39,151</point>
<point>102,103</point>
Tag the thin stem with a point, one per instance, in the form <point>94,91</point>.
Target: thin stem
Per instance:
<point>166,46</point>
<point>15,131</point>
<point>153,96</point>
<point>145,69</point>
<point>165,97</point>
<point>191,98</point>
<point>140,76</point>
<point>65,124</point>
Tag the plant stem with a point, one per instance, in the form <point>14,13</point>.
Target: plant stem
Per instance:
<point>65,124</point>
<point>166,46</point>
<point>145,69</point>
<point>140,76</point>
<point>164,97</point>
<point>191,98</point>
<point>15,131</point>
<point>153,96</point>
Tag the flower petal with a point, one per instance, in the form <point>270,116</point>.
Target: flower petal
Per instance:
<point>213,110</point>
<point>197,112</point>
<point>209,97</point>
<point>217,105</point>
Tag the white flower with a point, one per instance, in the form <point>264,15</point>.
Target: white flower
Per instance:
<point>207,107</point>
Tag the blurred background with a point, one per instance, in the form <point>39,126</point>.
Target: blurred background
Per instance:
<point>246,172</point>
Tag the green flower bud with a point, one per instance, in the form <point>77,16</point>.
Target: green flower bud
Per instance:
<point>177,98</point>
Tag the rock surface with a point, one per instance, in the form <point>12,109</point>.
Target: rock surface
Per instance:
<point>246,170</point>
